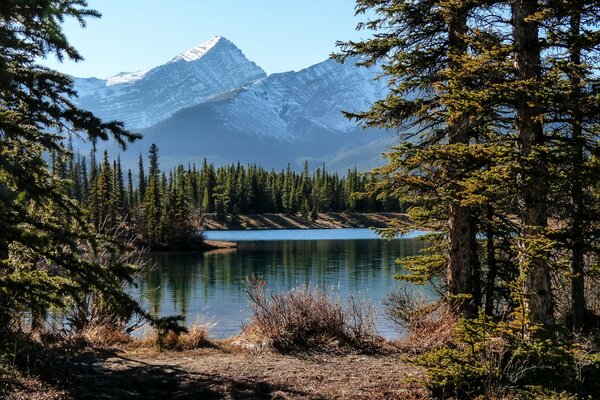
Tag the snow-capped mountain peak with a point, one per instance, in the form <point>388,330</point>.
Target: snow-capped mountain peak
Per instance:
<point>198,51</point>
<point>211,101</point>
<point>146,97</point>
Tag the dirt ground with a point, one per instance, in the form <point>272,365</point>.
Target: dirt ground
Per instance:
<point>296,221</point>
<point>219,374</point>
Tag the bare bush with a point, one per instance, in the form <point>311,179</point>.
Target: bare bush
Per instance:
<point>309,318</point>
<point>424,325</point>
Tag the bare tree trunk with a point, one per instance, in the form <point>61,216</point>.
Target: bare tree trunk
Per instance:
<point>578,241</point>
<point>533,188</point>
<point>491,262</point>
<point>463,261</point>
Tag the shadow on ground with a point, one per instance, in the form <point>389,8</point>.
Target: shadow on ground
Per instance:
<point>111,376</point>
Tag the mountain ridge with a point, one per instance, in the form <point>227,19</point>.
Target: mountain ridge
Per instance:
<point>273,120</point>
<point>143,98</point>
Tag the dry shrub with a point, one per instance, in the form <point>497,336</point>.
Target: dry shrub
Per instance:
<point>196,337</point>
<point>100,336</point>
<point>424,325</point>
<point>309,318</point>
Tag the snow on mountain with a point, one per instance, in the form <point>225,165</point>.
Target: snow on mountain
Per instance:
<point>197,52</point>
<point>88,86</point>
<point>143,98</point>
<point>212,102</point>
<point>285,118</point>
<point>300,105</point>
<point>126,77</point>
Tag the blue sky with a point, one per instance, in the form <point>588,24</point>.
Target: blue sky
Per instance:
<point>278,35</point>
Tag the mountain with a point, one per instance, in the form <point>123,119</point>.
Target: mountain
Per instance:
<point>301,105</point>
<point>143,98</point>
<point>212,102</point>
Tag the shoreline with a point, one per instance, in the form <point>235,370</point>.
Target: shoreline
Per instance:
<point>274,221</point>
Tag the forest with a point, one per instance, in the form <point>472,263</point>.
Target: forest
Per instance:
<point>174,201</point>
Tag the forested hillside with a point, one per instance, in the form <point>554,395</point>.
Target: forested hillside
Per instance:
<point>165,207</point>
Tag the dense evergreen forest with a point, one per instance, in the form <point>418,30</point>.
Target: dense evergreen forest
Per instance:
<point>165,207</point>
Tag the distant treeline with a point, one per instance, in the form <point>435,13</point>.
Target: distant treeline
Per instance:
<point>165,206</point>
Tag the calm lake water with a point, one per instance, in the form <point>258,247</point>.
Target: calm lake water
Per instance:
<point>300,234</point>
<point>209,286</point>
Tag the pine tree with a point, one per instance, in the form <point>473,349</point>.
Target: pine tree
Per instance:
<point>38,219</point>
<point>131,198</point>
<point>141,180</point>
<point>153,199</point>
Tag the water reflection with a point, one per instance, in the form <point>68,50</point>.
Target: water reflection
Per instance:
<point>210,285</point>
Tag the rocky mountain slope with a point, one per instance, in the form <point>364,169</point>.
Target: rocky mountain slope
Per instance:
<point>143,98</point>
<point>213,102</point>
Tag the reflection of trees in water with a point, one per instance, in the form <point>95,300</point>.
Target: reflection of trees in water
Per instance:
<point>191,276</point>
<point>150,287</point>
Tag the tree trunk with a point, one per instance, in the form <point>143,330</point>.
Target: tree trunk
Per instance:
<point>578,241</point>
<point>463,261</point>
<point>533,187</point>
<point>491,262</point>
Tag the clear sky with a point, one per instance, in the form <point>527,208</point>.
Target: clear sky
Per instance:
<point>279,35</point>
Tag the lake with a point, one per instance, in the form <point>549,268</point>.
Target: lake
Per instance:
<point>209,286</point>
<point>300,234</point>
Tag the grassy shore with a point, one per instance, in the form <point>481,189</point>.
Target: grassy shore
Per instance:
<point>301,344</point>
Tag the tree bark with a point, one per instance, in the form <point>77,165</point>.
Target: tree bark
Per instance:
<point>463,261</point>
<point>532,184</point>
<point>491,262</point>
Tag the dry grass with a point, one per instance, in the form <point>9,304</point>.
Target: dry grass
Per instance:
<point>101,336</point>
<point>433,331</point>
<point>425,325</point>
<point>197,337</point>
<point>308,319</point>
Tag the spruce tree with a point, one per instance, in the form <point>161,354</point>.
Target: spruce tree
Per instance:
<point>419,44</point>
<point>498,120</point>
<point>529,121</point>
<point>573,137</point>
<point>104,211</point>
<point>153,199</point>
<point>41,227</point>
<point>141,180</point>
<point>131,198</point>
